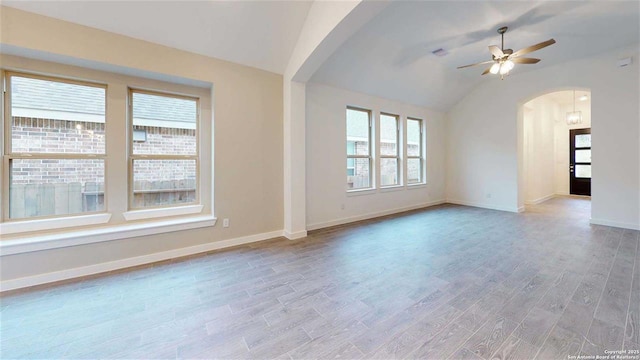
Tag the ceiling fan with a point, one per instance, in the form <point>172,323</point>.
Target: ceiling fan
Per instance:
<point>505,59</point>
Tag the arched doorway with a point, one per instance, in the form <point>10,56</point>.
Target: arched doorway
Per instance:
<point>555,150</point>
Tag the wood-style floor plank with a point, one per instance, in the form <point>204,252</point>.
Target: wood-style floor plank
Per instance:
<point>515,349</point>
<point>560,344</point>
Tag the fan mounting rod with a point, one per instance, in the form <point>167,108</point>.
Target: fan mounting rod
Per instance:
<point>501,31</point>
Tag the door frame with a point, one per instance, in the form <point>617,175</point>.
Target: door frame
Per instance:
<point>573,180</point>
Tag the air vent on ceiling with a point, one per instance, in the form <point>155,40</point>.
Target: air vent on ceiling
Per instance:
<point>440,52</point>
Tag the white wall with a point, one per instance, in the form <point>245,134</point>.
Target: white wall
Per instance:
<point>539,120</point>
<point>326,159</point>
<point>484,128</point>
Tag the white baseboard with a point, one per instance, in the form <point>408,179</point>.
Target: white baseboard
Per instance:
<point>371,215</point>
<point>39,279</point>
<point>617,224</point>
<point>540,200</point>
<point>294,235</point>
<point>484,206</point>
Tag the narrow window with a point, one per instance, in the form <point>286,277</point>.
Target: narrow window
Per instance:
<point>389,150</point>
<point>358,149</point>
<point>415,151</point>
<point>164,149</point>
<point>55,147</point>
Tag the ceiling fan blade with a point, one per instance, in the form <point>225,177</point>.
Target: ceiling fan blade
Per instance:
<point>480,63</point>
<point>533,48</point>
<point>496,51</point>
<point>525,60</point>
<point>486,71</point>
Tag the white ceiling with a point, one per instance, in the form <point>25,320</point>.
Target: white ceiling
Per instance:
<point>391,55</point>
<point>260,34</point>
<point>566,97</point>
<point>388,57</point>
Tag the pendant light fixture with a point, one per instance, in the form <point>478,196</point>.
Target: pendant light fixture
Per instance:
<point>574,117</point>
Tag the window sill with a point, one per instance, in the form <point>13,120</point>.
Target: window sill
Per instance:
<point>25,244</point>
<point>16,227</point>
<point>392,188</point>
<point>416,185</point>
<point>162,212</point>
<point>360,192</point>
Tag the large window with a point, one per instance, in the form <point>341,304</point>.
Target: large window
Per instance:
<point>415,151</point>
<point>77,152</point>
<point>54,147</point>
<point>164,149</point>
<point>389,150</point>
<point>358,149</point>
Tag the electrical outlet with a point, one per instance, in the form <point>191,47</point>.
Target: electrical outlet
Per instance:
<point>225,223</point>
<point>488,195</point>
<point>342,207</point>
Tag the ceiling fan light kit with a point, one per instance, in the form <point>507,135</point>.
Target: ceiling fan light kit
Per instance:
<point>504,60</point>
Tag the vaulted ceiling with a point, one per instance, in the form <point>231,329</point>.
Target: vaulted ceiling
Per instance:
<point>391,55</point>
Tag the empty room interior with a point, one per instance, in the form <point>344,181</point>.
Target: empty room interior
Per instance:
<point>317,179</point>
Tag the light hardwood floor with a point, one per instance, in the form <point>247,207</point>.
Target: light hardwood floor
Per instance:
<point>446,282</point>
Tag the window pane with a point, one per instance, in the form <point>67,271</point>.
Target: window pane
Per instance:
<point>583,171</point>
<point>163,182</point>
<point>358,130</point>
<point>414,171</point>
<point>351,147</point>
<point>583,140</point>
<point>388,135</point>
<point>360,177</point>
<point>413,137</point>
<point>44,187</point>
<point>168,125</point>
<point>351,166</point>
<point>56,117</point>
<point>388,172</point>
<point>583,156</point>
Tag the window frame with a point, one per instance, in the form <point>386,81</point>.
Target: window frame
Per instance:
<point>132,157</point>
<point>8,154</point>
<point>421,156</point>
<point>370,150</point>
<point>396,156</point>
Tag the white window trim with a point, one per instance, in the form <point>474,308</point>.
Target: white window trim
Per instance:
<point>360,192</point>
<point>422,157</point>
<point>372,186</point>
<point>162,212</point>
<point>16,227</point>
<point>85,218</point>
<point>397,156</point>
<point>390,188</point>
<point>133,156</point>
<point>25,244</point>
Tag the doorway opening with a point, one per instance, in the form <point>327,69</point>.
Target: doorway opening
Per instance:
<point>556,148</point>
<point>580,162</point>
